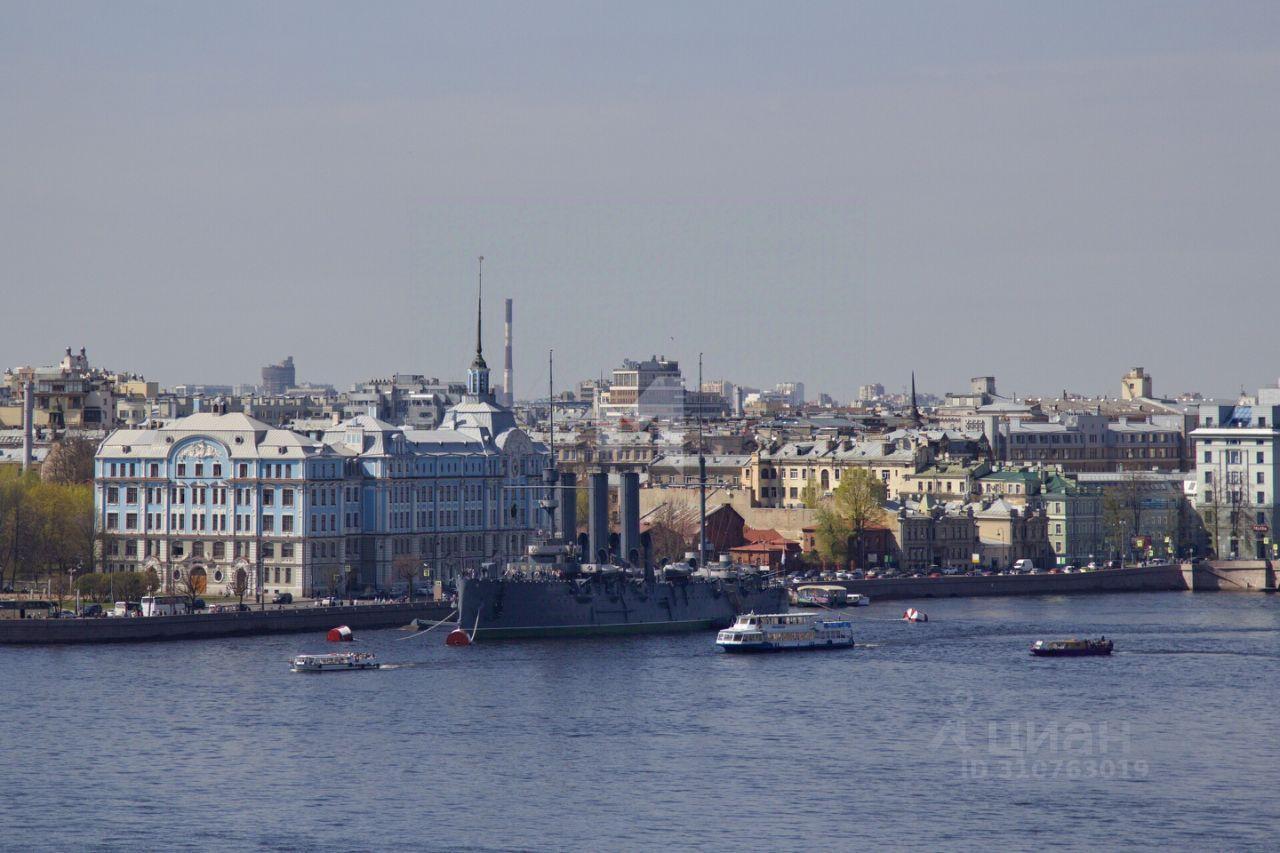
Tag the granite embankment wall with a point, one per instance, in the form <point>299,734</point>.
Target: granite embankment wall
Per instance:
<point>1231,576</point>
<point>202,626</point>
<point>1137,579</point>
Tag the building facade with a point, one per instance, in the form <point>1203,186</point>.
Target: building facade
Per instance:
<point>225,500</point>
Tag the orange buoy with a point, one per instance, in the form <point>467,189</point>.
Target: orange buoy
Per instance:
<point>457,637</point>
<point>341,634</point>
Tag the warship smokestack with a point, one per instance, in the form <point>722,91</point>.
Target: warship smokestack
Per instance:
<point>508,391</point>
<point>28,424</point>
<point>598,518</point>
<point>629,510</point>
<point>569,507</point>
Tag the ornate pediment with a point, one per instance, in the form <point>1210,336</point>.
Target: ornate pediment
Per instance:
<point>200,449</point>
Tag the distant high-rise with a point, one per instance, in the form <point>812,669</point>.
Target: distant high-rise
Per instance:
<point>278,378</point>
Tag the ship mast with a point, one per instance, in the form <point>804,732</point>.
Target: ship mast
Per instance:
<point>702,478</point>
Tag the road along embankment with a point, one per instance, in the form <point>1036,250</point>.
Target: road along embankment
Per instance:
<point>1136,579</point>
<point>208,625</point>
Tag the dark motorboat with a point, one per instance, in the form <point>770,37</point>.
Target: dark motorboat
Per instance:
<point>1071,648</point>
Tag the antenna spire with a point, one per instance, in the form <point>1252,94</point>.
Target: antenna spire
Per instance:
<point>479,306</point>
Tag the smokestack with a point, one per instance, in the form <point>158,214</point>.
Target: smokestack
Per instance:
<point>629,509</point>
<point>598,518</point>
<point>508,392</point>
<point>569,507</point>
<point>28,424</point>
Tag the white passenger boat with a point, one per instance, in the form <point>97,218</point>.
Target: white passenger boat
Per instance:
<point>770,632</point>
<point>334,662</point>
<point>857,599</point>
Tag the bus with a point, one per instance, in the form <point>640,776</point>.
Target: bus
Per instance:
<point>164,605</point>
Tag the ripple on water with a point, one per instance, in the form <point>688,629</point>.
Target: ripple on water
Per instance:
<point>661,742</point>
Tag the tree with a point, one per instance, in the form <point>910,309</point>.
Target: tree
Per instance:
<point>844,517</point>
<point>190,586</point>
<point>810,495</point>
<point>672,531</point>
<point>1122,513</point>
<point>239,584</point>
<point>406,568</point>
<point>69,461</point>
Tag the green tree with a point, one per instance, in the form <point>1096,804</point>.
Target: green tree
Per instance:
<point>844,517</point>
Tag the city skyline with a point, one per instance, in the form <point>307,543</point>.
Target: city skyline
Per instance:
<point>843,195</point>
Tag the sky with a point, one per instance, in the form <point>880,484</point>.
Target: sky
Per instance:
<point>835,193</point>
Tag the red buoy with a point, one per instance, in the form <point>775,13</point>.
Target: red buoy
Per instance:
<point>341,634</point>
<point>457,637</point>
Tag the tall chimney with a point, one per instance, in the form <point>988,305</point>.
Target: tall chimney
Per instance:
<point>508,392</point>
<point>629,510</point>
<point>598,518</point>
<point>569,507</point>
<point>28,424</point>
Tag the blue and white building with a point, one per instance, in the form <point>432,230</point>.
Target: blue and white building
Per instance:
<point>223,496</point>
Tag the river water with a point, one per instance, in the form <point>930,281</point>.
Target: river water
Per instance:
<point>945,735</point>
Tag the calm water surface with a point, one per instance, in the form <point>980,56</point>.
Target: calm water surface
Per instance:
<point>919,739</point>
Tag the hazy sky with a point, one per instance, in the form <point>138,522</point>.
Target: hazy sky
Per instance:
<point>835,193</point>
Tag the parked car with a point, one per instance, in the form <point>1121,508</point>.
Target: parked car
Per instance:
<point>199,604</point>
<point>283,598</point>
<point>91,610</point>
<point>331,601</point>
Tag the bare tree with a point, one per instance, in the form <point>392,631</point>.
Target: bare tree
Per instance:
<point>405,568</point>
<point>1122,512</point>
<point>672,531</point>
<point>239,585</point>
<point>191,586</point>
<point>70,460</point>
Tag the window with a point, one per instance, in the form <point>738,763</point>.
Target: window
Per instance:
<point>1260,457</point>
<point>1208,476</point>
<point>113,520</point>
<point>244,470</point>
<point>1208,456</point>
<point>1262,497</point>
<point>199,469</point>
<point>219,550</point>
<point>113,495</point>
<point>286,551</point>
<point>217,469</point>
<point>268,497</point>
<point>286,524</point>
<point>131,495</point>
<point>268,524</point>
<point>182,469</point>
<point>1261,478</point>
<point>268,549</point>
<point>286,497</point>
<point>131,521</point>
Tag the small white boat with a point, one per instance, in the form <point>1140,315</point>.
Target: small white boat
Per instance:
<point>772,632</point>
<point>857,599</point>
<point>334,662</point>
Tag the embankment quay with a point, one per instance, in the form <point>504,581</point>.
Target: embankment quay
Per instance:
<point>211,625</point>
<point>1233,576</point>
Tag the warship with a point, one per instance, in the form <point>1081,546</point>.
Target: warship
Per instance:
<point>553,592</point>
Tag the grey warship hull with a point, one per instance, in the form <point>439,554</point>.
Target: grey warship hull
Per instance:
<point>507,608</point>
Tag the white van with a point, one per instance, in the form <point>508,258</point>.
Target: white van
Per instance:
<point>1022,567</point>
